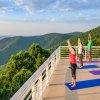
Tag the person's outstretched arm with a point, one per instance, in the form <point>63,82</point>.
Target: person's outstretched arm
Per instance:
<point>70,47</point>
<point>79,41</point>
<point>90,37</point>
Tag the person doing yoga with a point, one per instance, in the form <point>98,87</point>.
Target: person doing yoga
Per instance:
<point>72,58</point>
<point>89,45</point>
<point>80,53</point>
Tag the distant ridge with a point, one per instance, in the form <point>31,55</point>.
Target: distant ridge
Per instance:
<point>11,45</point>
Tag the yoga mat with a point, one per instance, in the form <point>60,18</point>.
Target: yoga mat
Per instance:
<point>87,67</point>
<point>95,72</point>
<point>84,84</point>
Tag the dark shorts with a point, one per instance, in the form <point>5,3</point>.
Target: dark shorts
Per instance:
<point>73,70</point>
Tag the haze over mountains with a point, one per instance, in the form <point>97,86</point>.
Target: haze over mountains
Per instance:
<point>2,37</point>
<point>11,45</point>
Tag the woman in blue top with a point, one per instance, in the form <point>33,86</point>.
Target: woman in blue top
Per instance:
<point>89,48</point>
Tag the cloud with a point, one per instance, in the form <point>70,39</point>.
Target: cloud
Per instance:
<point>4,10</point>
<point>20,2</point>
<point>40,6</point>
<point>49,10</point>
<point>34,6</point>
<point>57,4</point>
<point>5,6</point>
<point>28,8</point>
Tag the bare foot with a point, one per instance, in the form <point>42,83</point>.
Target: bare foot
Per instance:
<point>81,66</point>
<point>73,86</point>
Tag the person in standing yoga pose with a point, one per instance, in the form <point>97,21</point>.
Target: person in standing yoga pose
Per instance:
<point>72,57</point>
<point>89,45</point>
<point>80,52</point>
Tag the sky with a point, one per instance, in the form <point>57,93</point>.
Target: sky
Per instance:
<point>36,17</point>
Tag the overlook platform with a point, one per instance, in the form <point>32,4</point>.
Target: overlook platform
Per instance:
<point>57,90</point>
<point>49,81</point>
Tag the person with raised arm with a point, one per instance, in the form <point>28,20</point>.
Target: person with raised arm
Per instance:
<point>89,45</point>
<point>72,58</point>
<point>80,54</point>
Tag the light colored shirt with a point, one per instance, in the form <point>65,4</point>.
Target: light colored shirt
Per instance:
<point>80,49</point>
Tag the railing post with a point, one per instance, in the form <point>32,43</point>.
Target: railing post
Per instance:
<point>59,52</point>
<point>58,55</point>
<point>40,86</point>
<point>52,65</point>
<point>33,93</point>
<point>47,77</point>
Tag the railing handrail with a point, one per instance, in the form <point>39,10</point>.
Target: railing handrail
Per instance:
<point>27,85</point>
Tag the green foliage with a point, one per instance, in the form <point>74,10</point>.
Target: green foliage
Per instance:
<point>20,78</point>
<point>19,68</point>
<point>2,67</point>
<point>38,54</point>
<point>95,33</point>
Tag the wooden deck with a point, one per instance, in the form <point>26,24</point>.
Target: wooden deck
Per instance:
<point>57,90</point>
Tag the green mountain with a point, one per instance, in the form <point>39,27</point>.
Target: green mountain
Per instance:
<point>95,33</point>
<point>12,45</point>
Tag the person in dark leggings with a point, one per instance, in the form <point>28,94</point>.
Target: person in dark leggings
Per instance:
<point>73,63</point>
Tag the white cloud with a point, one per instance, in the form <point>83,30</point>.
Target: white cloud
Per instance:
<point>40,6</point>
<point>68,9</point>
<point>27,5</point>
<point>42,10</point>
<point>57,4</point>
<point>4,10</point>
<point>28,9</point>
<point>19,2</point>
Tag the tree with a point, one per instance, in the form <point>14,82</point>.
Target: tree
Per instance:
<point>19,68</point>
<point>19,79</point>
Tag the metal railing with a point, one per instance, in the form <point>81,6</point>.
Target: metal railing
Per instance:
<point>95,52</point>
<point>37,83</point>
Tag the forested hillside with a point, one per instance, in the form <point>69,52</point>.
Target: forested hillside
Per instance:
<point>95,33</point>
<point>12,45</point>
<point>19,68</point>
